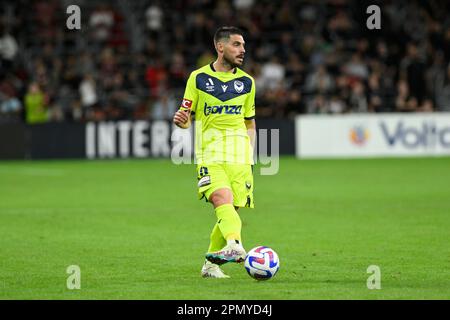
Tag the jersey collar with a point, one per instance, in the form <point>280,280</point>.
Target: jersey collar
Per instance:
<point>212,68</point>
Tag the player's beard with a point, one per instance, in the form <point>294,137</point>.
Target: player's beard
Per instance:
<point>231,61</point>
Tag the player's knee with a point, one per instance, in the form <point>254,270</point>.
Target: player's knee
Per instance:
<point>221,197</point>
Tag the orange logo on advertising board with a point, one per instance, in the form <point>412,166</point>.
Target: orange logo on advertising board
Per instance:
<point>359,135</point>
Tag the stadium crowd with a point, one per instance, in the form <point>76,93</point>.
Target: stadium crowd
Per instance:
<point>131,59</point>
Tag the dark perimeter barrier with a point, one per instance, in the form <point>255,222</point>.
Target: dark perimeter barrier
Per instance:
<point>114,139</point>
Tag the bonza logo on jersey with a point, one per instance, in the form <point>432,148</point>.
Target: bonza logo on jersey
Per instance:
<point>225,109</point>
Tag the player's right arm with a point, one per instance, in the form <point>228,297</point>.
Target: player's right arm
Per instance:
<point>182,117</point>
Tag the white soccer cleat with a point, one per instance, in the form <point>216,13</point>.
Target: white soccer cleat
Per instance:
<point>233,252</point>
<point>211,270</point>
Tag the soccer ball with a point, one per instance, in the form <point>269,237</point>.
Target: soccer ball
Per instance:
<point>262,263</point>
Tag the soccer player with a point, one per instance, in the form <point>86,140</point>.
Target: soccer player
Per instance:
<point>221,99</point>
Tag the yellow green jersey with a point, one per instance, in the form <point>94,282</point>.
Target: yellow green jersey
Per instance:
<point>220,102</point>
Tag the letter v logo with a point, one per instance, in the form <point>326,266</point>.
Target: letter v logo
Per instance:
<point>391,139</point>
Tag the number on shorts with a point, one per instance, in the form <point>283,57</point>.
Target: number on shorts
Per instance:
<point>203,171</point>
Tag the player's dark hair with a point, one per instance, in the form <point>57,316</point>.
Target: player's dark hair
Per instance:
<point>226,32</point>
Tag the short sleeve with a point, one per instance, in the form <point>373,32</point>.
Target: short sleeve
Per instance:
<point>249,108</point>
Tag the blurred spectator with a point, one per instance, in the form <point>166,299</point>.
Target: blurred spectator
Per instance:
<point>10,105</point>
<point>294,104</point>
<point>108,68</point>
<point>177,71</point>
<point>243,4</point>
<point>436,71</point>
<point>446,44</point>
<point>272,75</point>
<point>164,108</point>
<point>63,100</point>
<point>357,68</point>
<point>121,98</point>
<point>320,81</point>
<point>101,22</point>
<point>413,69</point>
<point>205,58</point>
<point>35,105</point>
<point>375,94</point>
<point>295,72</point>
<point>76,112</point>
<point>305,56</point>
<point>85,65</point>
<point>156,77</point>
<point>337,105</point>
<point>405,102</point>
<point>317,105</point>
<point>154,16</point>
<point>8,50</point>
<point>88,91</point>
<point>45,20</point>
<point>427,106</point>
<point>340,26</point>
<point>443,91</point>
<point>358,100</point>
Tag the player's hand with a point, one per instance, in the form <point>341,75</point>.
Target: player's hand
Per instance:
<point>182,118</point>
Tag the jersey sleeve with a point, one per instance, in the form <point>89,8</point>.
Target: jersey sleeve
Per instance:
<point>190,97</point>
<point>249,108</point>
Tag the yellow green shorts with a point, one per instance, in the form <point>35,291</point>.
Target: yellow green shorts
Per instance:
<point>236,177</point>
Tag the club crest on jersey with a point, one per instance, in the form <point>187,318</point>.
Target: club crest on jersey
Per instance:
<point>238,86</point>
<point>225,109</point>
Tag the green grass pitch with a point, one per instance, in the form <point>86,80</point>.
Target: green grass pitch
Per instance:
<point>137,231</point>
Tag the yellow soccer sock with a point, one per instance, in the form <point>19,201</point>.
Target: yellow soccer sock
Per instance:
<point>217,241</point>
<point>229,222</point>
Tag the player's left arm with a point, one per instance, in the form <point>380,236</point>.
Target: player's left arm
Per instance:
<point>249,114</point>
<point>251,131</point>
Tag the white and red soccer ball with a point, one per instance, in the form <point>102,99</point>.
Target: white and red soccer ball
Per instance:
<point>262,263</point>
